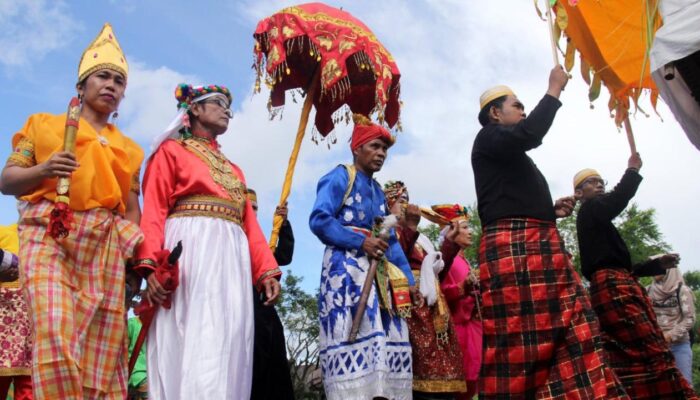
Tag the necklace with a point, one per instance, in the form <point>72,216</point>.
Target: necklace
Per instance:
<point>220,168</point>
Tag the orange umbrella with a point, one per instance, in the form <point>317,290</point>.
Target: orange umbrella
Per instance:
<point>613,39</point>
<point>336,59</point>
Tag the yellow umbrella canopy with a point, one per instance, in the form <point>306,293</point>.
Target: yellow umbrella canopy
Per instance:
<point>613,39</point>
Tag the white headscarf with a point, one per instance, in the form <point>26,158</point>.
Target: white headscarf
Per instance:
<point>431,266</point>
<point>173,129</point>
<point>662,290</point>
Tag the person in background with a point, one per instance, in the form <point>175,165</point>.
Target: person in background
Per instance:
<point>271,376</point>
<point>674,305</point>
<point>461,288</point>
<point>16,328</point>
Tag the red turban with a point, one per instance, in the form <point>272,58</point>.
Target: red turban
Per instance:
<point>365,131</point>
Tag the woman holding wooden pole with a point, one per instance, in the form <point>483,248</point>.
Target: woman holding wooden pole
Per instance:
<point>74,280</point>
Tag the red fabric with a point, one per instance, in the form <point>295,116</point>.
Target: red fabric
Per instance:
<point>172,173</point>
<point>169,277</point>
<point>635,344</point>
<point>362,134</point>
<point>356,69</point>
<point>60,221</point>
<point>451,212</point>
<point>436,366</point>
<point>541,336</point>
<point>22,387</point>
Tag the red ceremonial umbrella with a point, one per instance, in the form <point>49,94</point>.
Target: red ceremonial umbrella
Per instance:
<point>336,59</point>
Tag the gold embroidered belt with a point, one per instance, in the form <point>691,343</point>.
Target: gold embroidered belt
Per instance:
<point>207,206</point>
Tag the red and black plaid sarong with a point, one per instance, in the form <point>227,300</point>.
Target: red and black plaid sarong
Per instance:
<point>635,344</point>
<point>541,336</point>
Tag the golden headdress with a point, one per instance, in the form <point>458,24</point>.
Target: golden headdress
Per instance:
<point>103,53</point>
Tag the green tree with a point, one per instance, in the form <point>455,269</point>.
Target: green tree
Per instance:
<point>298,311</point>
<point>637,227</point>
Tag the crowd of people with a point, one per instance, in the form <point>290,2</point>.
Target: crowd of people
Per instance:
<point>401,316</point>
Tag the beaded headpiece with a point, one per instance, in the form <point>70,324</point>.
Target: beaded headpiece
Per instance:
<point>186,95</point>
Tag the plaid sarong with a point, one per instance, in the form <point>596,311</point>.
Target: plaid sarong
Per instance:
<point>541,336</point>
<point>635,344</point>
<point>75,293</point>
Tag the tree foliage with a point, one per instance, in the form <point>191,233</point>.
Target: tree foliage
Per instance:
<point>298,311</point>
<point>637,227</point>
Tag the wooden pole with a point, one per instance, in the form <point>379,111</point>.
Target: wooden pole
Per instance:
<point>362,304</point>
<point>301,130</point>
<point>552,40</point>
<point>630,135</point>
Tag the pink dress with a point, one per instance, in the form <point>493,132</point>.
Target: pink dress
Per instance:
<point>464,316</point>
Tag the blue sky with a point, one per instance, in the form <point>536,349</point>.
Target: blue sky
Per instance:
<point>448,53</point>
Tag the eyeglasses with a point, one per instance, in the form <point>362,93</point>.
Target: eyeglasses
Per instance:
<point>595,181</point>
<point>219,102</point>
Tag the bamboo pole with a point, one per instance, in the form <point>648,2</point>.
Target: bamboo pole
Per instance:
<point>630,135</point>
<point>287,185</point>
<point>552,40</point>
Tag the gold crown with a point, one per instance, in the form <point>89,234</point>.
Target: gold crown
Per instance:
<point>103,53</point>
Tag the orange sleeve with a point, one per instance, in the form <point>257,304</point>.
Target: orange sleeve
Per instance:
<point>158,184</point>
<point>262,261</point>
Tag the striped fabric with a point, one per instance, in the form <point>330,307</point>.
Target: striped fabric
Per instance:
<point>633,339</point>
<point>75,292</point>
<point>541,336</point>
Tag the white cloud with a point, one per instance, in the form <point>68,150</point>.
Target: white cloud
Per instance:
<point>448,53</point>
<point>29,29</point>
<point>150,102</point>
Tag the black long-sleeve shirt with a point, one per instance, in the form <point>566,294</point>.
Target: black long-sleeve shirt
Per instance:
<point>508,183</point>
<point>600,244</point>
<point>285,245</point>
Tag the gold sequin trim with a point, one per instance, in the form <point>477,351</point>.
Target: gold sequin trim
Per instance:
<point>439,386</point>
<point>207,206</point>
<point>146,261</point>
<point>136,182</point>
<point>267,274</point>
<point>15,371</point>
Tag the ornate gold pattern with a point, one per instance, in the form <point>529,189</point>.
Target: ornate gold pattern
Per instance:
<point>266,275</point>
<point>320,17</point>
<point>345,46</point>
<point>325,42</point>
<point>274,55</point>
<point>23,154</point>
<point>287,32</point>
<point>439,386</point>
<point>220,170</point>
<point>330,71</point>
<point>136,181</point>
<point>208,206</point>
<point>146,261</point>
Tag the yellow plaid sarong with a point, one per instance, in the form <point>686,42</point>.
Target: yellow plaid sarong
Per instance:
<point>75,293</point>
